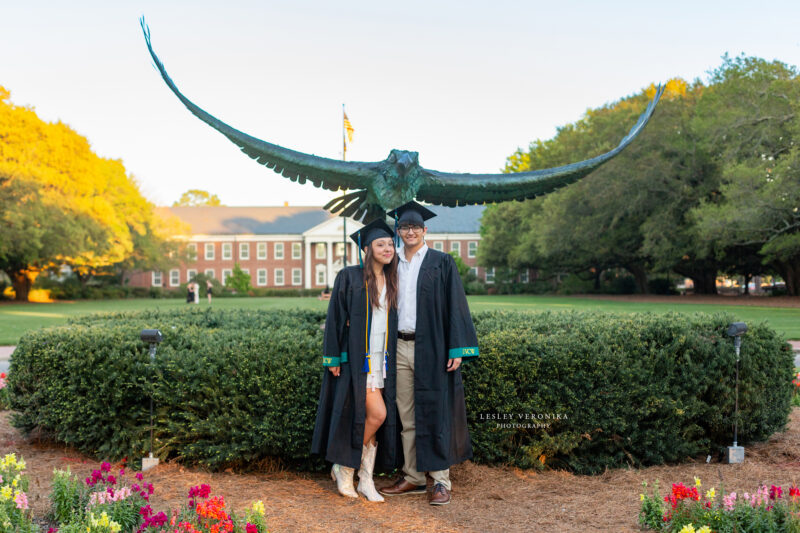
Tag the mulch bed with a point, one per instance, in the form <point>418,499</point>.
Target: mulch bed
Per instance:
<point>484,498</point>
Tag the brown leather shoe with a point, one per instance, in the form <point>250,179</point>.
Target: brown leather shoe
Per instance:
<point>402,487</point>
<point>439,496</point>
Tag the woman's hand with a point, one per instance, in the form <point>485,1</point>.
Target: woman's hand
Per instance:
<point>335,370</point>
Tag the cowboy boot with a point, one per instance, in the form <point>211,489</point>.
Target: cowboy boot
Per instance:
<point>366,487</point>
<point>343,476</point>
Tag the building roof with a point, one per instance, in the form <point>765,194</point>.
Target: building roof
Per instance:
<point>222,220</point>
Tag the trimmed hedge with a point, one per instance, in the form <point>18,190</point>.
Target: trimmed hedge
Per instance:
<point>235,387</point>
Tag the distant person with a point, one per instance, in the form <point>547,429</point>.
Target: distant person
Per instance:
<point>196,292</point>
<point>190,292</point>
<point>209,286</point>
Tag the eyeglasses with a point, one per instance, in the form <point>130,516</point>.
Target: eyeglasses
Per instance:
<point>406,228</point>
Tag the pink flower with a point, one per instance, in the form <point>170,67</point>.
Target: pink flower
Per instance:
<point>111,479</point>
<point>21,500</point>
<point>139,476</point>
<point>250,528</point>
<point>105,467</point>
<point>729,501</point>
<point>775,492</point>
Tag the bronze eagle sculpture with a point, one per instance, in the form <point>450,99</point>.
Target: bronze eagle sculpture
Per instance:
<point>387,184</point>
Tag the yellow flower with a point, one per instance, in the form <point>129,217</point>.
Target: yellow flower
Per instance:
<point>259,507</point>
<point>641,497</point>
<point>696,481</point>
<point>21,464</point>
<point>688,528</point>
<point>711,494</point>
<point>704,529</point>
<point>5,493</point>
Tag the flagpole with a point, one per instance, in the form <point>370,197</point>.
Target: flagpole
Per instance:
<point>344,220</point>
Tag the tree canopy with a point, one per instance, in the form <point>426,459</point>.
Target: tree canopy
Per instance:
<point>197,197</point>
<point>63,204</point>
<point>710,186</point>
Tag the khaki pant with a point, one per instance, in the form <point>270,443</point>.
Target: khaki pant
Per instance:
<point>405,408</point>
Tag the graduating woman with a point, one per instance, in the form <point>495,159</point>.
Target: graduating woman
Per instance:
<point>357,416</point>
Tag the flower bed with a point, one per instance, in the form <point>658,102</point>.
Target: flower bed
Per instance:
<point>692,510</point>
<point>110,502</point>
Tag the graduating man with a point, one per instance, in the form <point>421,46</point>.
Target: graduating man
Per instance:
<point>435,332</point>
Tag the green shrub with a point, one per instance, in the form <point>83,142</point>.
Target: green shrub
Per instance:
<point>68,497</point>
<point>233,387</point>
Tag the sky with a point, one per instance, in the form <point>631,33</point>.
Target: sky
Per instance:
<point>463,83</point>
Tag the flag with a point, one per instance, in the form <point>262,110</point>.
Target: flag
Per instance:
<point>348,127</point>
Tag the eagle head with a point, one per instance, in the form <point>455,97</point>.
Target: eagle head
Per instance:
<point>403,160</point>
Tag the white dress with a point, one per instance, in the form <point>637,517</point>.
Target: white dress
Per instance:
<point>377,340</point>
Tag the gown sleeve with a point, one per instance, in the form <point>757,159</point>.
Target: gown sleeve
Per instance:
<point>334,344</point>
<point>461,338</point>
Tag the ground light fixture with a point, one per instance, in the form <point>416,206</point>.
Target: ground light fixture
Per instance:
<point>152,337</point>
<point>736,452</point>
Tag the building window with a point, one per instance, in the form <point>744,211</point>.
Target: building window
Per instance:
<point>210,273</point>
<point>321,278</point>
<point>191,274</point>
<point>226,273</point>
<point>244,250</point>
<point>279,276</point>
<point>297,250</point>
<point>340,249</point>
<point>209,250</point>
<point>261,278</point>
<point>174,277</point>
<point>262,250</point>
<point>472,248</point>
<point>455,246</point>
<point>227,251</point>
<point>438,246</point>
<point>297,276</point>
<point>191,251</point>
<point>279,251</point>
<point>156,281</point>
<point>474,271</point>
<point>320,250</point>
<point>246,271</point>
<point>490,275</point>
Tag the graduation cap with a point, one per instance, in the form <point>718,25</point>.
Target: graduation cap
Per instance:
<point>377,229</point>
<point>411,213</point>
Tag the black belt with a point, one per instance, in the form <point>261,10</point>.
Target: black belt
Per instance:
<point>405,336</point>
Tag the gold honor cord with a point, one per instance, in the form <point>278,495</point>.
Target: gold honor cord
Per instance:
<point>367,359</point>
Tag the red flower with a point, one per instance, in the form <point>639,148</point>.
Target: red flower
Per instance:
<point>250,528</point>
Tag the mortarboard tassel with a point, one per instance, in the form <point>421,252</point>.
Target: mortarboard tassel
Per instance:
<point>360,261</point>
<point>396,235</point>
<point>366,367</point>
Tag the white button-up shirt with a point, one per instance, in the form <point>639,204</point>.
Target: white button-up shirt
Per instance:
<point>407,275</point>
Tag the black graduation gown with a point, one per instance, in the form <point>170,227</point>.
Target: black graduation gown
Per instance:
<point>339,428</point>
<point>444,330</point>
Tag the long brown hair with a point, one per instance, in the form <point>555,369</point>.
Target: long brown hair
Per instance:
<point>389,275</point>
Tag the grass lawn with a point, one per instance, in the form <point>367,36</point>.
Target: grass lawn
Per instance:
<point>16,319</point>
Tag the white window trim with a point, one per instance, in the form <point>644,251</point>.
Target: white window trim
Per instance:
<point>209,247</point>
<point>262,246</point>
<point>323,247</point>
<point>455,246</point>
<point>438,246</point>
<point>299,277</point>
<point>524,276</point>
<point>472,251</point>
<point>282,282</point>
<point>242,247</point>
<point>156,275</point>
<point>229,247</point>
<point>489,273</point>
<point>176,282</point>
<point>297,250</point>
<point>279,250</point>
<point>192,249</point>
<point>212,275</point>
<point>259,281</point>
<point>191,273</point>
<point>339,249</point>
<point>321,270</point>
<point>224,277</point>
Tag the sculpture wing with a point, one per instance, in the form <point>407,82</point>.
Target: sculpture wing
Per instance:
<point>297,166</point>
<point>452,189</point>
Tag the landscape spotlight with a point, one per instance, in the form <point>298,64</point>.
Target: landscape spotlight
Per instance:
<point>153,337</point>
<point>736,452</point>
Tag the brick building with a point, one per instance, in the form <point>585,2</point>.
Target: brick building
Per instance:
<point>294,247</point>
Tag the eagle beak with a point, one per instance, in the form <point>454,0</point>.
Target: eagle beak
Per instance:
<point>404,161</point>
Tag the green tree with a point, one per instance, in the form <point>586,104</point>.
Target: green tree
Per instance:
<point>197,197</point>
<point>239,280</point>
